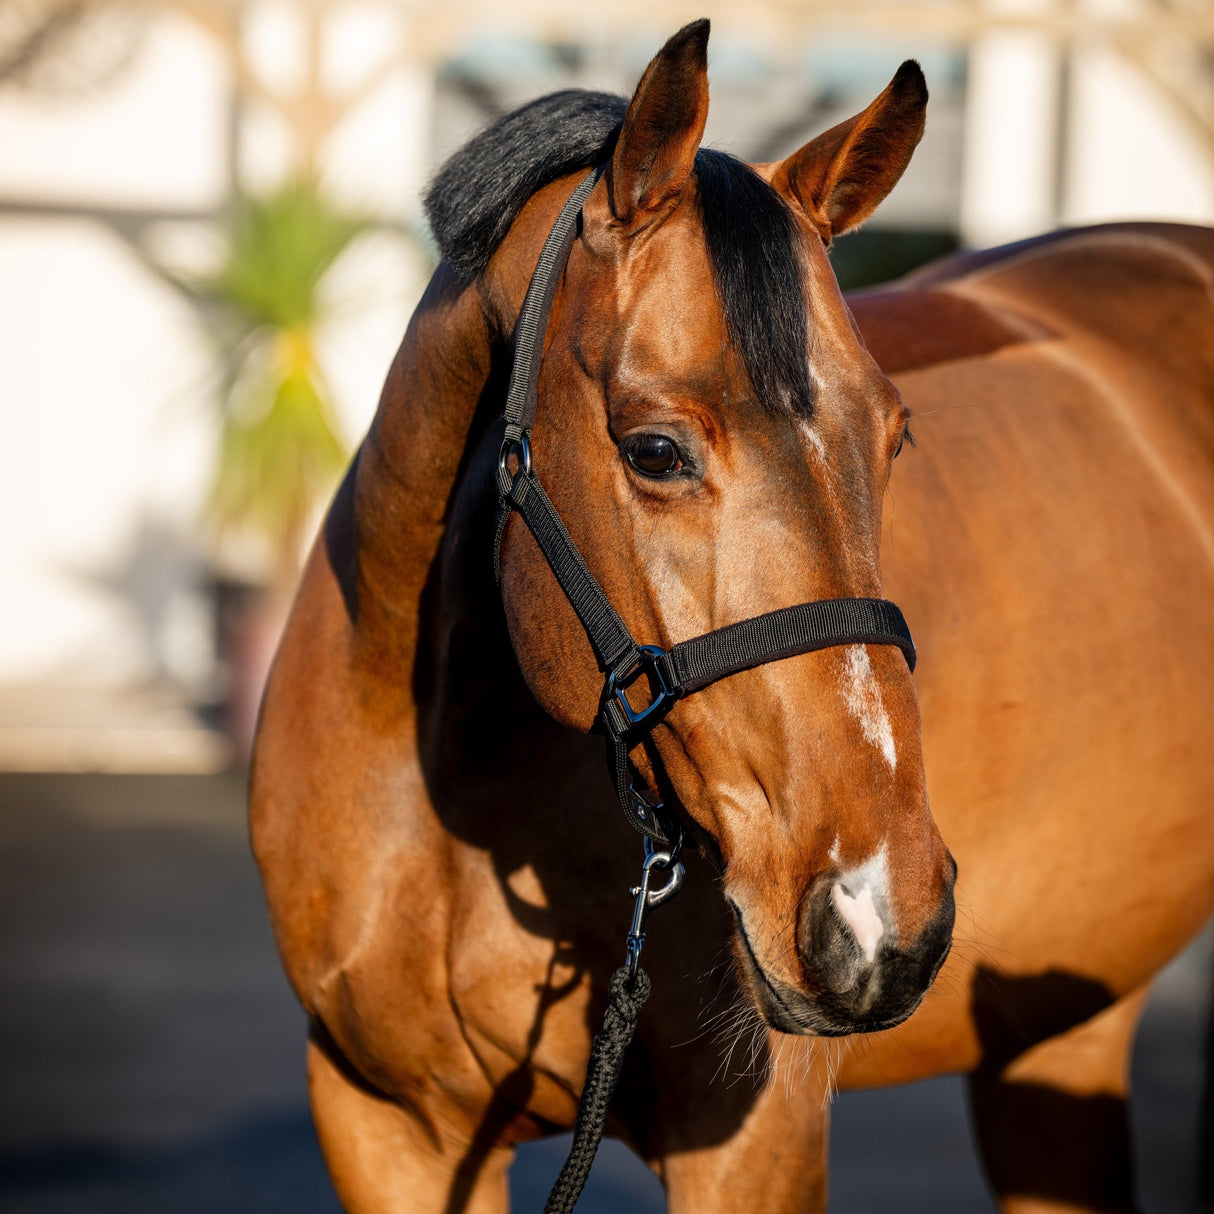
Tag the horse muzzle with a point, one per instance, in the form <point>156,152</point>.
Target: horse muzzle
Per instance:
<point>855,978</point>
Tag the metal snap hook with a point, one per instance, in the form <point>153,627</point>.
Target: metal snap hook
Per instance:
<point>648,898</point>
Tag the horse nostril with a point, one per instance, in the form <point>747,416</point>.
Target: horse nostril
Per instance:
<point>860,914</point>
<point>839,937</point>
<point>858,973</point>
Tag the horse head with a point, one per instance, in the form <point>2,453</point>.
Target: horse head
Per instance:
<point>718,442</point>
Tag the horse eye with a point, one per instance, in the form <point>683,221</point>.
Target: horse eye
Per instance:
<point>907,437</point>
<point>652,454</point>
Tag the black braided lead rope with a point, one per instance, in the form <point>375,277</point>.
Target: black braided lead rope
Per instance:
<point>625,998</point>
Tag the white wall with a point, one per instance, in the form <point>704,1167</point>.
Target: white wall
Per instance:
<point>106,434</point>
<point>103,443</point>
<point>107,430</point>
<point>1069,131</point>
<point>1132,155</point>
<point>1008,175</point>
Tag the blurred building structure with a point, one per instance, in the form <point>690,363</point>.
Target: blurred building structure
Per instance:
<point>127,126</point>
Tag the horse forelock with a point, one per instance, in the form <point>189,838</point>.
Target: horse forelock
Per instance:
<point>752,239</point>
<point>749,231</point>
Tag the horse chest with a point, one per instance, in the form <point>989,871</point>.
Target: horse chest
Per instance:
<point>519,993</point>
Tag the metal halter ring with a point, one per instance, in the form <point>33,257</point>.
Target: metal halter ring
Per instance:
<point>522,445</point>
<point>648,660</point>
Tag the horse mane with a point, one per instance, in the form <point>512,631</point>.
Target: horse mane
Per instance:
<point>749,230</point>
<point>479,191</point>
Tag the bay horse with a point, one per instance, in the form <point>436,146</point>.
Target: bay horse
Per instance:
<point>445,863</point>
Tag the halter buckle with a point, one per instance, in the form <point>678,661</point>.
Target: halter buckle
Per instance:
<point>647,661</point>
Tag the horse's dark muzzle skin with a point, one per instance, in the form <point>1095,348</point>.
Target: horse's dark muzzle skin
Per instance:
<point>844,991</point>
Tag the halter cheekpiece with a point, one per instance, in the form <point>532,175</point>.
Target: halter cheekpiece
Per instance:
<point>689,665</point>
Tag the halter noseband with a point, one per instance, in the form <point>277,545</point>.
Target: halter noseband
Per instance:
<point>689,665</point>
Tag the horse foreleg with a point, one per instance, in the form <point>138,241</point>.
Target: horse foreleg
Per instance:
<point>774,1162</point>
<point>1053,1124</point>
<point>384,1159</point>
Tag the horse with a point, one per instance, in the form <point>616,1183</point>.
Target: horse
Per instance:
<point>445,864</point>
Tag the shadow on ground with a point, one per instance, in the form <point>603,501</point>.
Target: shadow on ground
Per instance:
<point>151,1056</point>
<point>268,1163</point>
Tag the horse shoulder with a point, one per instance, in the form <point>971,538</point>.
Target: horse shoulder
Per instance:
<point>339,818</point>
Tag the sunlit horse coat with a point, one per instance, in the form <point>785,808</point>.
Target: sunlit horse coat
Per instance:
<point>443,857</point>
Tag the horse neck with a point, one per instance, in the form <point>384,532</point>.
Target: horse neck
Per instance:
<point>425,594</point>
<point>445,386</point>
<point>410,463</point>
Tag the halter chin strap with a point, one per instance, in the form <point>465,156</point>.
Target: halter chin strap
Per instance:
<point>689,665</point>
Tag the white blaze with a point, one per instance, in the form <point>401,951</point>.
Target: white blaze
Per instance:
<point>863,697</point>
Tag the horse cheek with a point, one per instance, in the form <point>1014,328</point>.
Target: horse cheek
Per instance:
<point>553,653</point>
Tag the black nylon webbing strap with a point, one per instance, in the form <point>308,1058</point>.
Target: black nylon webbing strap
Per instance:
<point>609,637</point>
<point>784,633</point>
<point>690,665</point>
<point>522,396</point>
<point>533,319</point>
<point>639,812</point>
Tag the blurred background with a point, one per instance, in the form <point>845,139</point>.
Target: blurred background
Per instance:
<point>211,240</point>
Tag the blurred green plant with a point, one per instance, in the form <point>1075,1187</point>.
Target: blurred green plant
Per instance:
<point>264,304</point>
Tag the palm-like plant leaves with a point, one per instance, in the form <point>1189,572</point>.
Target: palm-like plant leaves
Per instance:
<point>279,447</point>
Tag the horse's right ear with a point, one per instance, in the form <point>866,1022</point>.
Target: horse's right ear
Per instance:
<point>656,150</point>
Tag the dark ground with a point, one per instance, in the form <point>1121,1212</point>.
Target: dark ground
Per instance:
<point>151,1054</point>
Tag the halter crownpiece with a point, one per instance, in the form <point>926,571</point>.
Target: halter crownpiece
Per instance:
<point>689,665</point>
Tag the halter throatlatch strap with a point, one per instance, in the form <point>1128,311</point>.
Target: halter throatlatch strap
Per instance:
<point>689,665</point>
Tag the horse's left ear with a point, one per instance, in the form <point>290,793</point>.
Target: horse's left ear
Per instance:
<point>839,178</point>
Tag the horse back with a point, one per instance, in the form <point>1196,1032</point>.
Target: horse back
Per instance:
<point>1126,308</point>
<point>1143,286</point>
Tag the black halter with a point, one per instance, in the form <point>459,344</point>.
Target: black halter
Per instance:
<point>689,665</point>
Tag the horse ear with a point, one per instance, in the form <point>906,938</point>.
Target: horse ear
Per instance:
<point>656,150</point>
<point>839,178</point>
